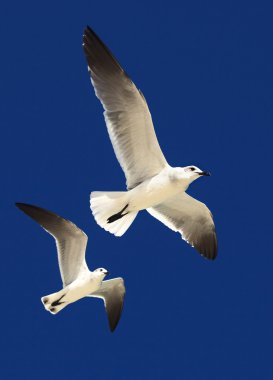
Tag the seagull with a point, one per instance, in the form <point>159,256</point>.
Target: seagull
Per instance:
<point>78,280</point>
<point>152,184</point>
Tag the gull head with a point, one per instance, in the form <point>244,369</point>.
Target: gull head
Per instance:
<point>193,172</point>
<point>101,272</point>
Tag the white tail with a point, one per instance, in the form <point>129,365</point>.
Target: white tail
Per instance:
<point>106,204</point>
<point>53,302</point>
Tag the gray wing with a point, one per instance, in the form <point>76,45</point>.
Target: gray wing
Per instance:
<point>127,115</point>
<point>112,292</point>
<point>192,219</point>
<point>70,240</point>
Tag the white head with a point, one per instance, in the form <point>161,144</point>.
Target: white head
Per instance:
<point>193,172</point>
<point>101,272</point>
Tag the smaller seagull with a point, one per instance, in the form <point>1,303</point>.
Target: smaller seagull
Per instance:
<point>78,280</point>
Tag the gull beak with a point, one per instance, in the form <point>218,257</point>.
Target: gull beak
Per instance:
<point>106,274</point>
<point>207,174</point>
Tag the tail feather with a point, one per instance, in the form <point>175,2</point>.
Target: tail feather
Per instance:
<point>110,211</point>
<point>53,302</point>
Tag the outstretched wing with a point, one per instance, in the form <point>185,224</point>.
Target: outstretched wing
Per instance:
<point>70,240</point>
<point>192,219</point>
<point>112,292</point>
<point>127,115</point>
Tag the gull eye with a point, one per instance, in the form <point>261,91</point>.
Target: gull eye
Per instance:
<point>192,169</point>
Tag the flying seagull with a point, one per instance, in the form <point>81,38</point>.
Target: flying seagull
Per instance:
<point>78,280</point>
<point>152,183</point>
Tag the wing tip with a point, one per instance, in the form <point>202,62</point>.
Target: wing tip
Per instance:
<point>113,326</point>
<point>25,206</point>
<point>28,206</point>
<point>19,204</point>
<point>88,32</point>
<point>98,54</point>
<point>210,250</point>
<point>88,29</point>
<point>114,323</point>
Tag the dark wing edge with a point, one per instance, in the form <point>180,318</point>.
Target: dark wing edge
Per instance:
<point>126,113</point>
<point>99,57</point>
<point>112,292</point>
<point>54,224</point>
<point>206,244</point>
<point>199,232</point>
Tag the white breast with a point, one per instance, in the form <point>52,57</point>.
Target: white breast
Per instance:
<point>81,287</point>
<point>155,190</point>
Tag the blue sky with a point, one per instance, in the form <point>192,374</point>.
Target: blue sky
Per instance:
<point>206,71</point>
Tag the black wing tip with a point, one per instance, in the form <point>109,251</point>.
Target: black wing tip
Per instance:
<point>98,54</point>
<point>210,252</point>
<point>115,321</point>
<point>208,247</point>
<point>33,211</point>
<point>86,34</point>
<point>89,32</point>
<point>88,29</point>
<point>89,38</point>
<point>212,256</point>
<point>19,204</point>
<point>113,327</point>
<point>26,206</point>
<point>23,206</point>
<point>113,324</point>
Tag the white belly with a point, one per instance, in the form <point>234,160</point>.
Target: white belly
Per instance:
<point>81,288</point>
<point>153,191</point>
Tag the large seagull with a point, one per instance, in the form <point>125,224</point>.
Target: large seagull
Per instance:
<point>78,280</point>
<point>152,183</point>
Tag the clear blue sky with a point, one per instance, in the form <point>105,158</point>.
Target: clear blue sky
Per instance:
<point>205,68</point>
